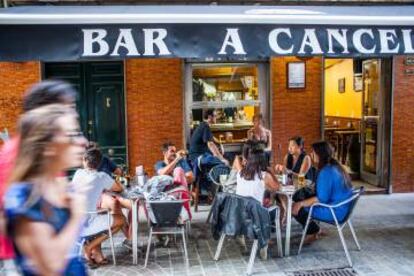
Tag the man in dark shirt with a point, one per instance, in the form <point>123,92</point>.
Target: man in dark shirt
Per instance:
<point>107,165</point>
<point>202,144</point>
<point>174,164</point>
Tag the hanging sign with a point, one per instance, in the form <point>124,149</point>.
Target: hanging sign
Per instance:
<point>204,41</point>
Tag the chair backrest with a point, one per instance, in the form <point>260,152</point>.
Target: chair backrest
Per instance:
<point>166,212</point>
<point>353,201</point>
<point>218,170</point>
<point>237,215</point>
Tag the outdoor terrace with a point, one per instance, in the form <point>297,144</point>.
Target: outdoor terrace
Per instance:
<point>384,225</point>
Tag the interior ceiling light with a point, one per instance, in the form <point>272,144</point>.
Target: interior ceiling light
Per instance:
<point>282,12</point>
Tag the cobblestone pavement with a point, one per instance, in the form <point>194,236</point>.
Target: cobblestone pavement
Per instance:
<point>384,225</point>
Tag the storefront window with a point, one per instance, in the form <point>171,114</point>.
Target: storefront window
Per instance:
<point>236,91</point>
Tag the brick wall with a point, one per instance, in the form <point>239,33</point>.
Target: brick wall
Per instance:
<point>154,108</point>
<point>295,111</point>
<point>15,78</point>
<point>402,168</point>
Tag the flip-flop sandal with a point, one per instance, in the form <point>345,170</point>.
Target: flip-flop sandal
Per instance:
<point>104,261</point>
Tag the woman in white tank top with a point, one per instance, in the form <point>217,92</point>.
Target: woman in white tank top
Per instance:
<point>254,179</point>
<point>254,188</point>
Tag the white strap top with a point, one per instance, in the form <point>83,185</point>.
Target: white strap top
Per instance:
<point>254,188</point>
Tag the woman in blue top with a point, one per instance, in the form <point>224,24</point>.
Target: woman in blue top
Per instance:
<point>43,220</point>
<point>333,186</point>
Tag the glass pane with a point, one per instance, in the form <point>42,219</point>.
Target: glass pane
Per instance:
<point>371,115</point>
<point>232,90</point>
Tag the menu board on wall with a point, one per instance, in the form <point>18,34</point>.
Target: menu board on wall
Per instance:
<point>296,75</point>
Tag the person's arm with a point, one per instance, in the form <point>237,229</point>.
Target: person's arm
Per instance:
<point>304,203</point>
<point>280,168</point>
<point>237,163</point>
<point>306,165</point>
<point>269,140</point>
<point>271,182</point>
<point>250,134</point>
<point>214,150</point>
<point>117,187</point>
<point>189,176</point>
<point>169,168</point>
<point>40,243</point>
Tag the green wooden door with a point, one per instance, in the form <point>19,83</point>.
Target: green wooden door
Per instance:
<point>100,102</point>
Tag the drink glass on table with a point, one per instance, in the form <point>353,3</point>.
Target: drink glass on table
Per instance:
<point>301,180</point>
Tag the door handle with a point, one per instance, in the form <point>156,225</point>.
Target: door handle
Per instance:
<point>108,102</point>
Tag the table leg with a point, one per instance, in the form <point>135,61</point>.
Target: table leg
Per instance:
<point>288,225</point>
<point>135,204</point>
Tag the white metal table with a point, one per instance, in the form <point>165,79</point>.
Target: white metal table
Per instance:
<point>135,202</point>
<point>289,191</point>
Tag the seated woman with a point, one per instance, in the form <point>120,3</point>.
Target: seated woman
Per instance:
<point>93,183</point>
<point>333,186</point>
<point>296,161</point>
<point>238,164</point>
<point>261,134</point>
<point>43,219</point>
<point>255,178</point>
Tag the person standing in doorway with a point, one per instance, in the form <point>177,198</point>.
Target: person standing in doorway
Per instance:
<point>262,135</point>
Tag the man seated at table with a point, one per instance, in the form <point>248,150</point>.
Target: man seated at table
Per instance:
<point>174,164</point>
<point>203,150</point>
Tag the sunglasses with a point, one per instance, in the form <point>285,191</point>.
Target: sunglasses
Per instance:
<point>74,136</point>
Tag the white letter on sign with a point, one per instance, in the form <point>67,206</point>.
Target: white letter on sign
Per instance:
<point>387,36</point>
<point>357,37</point>
<point>125,40</point>
<point>340,38</point>
<point>408,42</point>
<point>89,40</point>
<point>151,40</point>
<point>273,36</point>
<point>232,39</point>
<point>310,39</point>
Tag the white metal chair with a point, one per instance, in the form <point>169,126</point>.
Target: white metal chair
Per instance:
<point>111,241</point>
<point>339,224</point>
<point>214,175</point>
<point>255,245</point>
<point>163,219</point>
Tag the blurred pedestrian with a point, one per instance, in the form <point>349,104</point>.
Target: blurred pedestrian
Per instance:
<point>43,220</point>
<point>40,94</point>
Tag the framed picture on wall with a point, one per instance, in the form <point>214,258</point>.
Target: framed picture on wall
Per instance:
<point>357,82</point>
<point>296,76</point>
<point>341,85</point>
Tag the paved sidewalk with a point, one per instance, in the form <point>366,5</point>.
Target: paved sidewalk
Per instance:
<point>384,225</point>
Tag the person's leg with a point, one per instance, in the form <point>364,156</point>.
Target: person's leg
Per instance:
<point>111,203</point>
<point>97,255</point>
<point>115,204</point>
<point>179,177</point>
<point>302,217</point>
